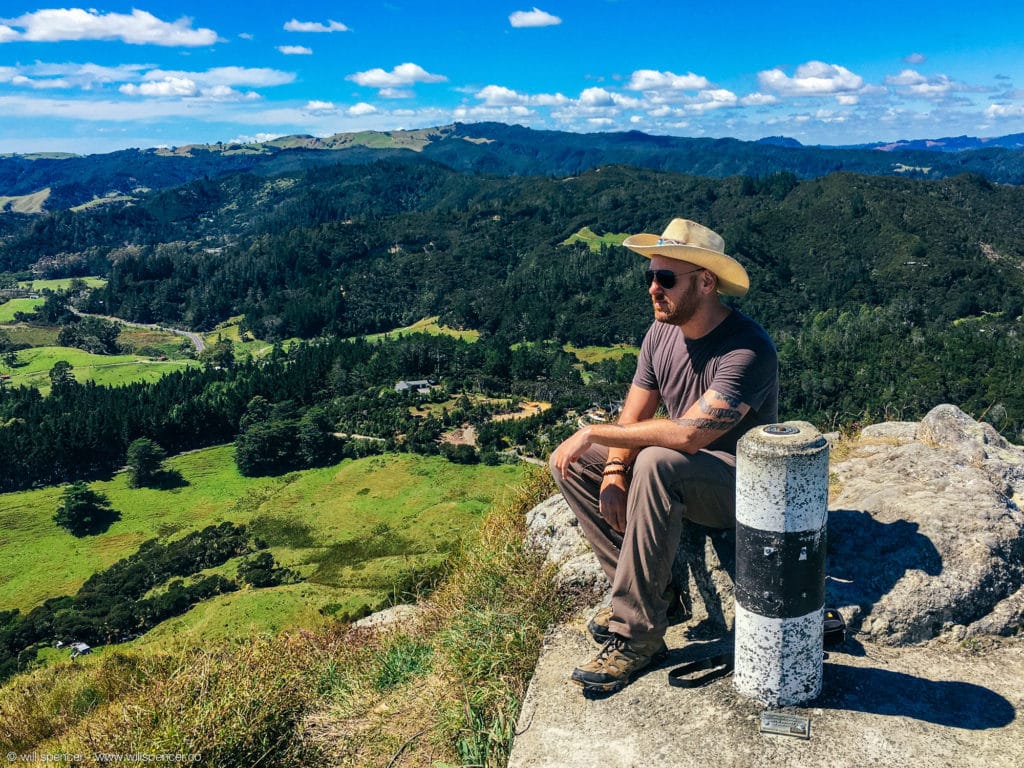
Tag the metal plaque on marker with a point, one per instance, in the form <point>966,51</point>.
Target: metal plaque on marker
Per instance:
<point>784,724</point>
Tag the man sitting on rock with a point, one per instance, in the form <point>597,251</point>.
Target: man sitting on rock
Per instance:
<point>631,484</point>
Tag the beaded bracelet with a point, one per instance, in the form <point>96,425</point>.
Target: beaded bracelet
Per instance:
<point>608,472</point>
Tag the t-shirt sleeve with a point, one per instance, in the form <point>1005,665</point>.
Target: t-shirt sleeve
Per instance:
<point>747,374</point>
<point>644,378</point>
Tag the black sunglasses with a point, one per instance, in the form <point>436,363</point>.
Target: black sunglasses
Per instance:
<point>666,277</point>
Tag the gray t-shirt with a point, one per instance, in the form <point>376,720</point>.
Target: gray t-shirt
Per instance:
<point>737,359</point>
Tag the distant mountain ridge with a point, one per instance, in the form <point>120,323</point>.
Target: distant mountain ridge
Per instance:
<point>491,148</point>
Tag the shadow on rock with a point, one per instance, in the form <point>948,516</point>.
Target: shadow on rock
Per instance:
<point>945,702</point>
<point>866,558</point>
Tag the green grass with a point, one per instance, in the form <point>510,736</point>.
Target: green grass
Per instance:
<point>595,241</point>
<point>244,344</point>
<point>428,325</point>
<point>33,335</point>
<point>9,308</point>
<point>597,354</point>
<point>61,284</point>
<point>108,370</point>
<point>351,529</point>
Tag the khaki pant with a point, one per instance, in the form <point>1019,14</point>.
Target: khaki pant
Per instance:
<point>665,487</point>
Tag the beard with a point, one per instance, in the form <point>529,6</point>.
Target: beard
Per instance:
<point>677,312</point>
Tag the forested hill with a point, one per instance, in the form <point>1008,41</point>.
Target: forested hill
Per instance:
<point>881,292</point>
<point>358,249</point>
<point>56,183</point>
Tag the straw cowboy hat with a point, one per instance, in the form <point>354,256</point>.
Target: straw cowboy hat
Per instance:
<point>689,241</point>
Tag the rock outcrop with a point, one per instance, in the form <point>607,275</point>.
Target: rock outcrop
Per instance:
<point>926,532</point>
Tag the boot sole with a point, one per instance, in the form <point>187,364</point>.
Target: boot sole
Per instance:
<point>617,685</point>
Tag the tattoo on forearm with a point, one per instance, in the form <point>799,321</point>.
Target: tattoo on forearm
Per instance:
<point>718,424</point>
<point>727,414</point>
<point>716,418</point>
<point>733,401</point>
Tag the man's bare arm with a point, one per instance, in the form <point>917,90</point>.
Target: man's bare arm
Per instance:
<point>706,420</point>
<point>640,405</point>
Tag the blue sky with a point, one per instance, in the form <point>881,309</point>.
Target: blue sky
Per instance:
<point>161,72</point>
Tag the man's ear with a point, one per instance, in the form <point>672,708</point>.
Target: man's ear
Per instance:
<point>709,281</point>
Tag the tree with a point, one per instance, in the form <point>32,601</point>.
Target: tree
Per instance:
<point>61,377</point>
<point>145,462</point>
<point>83,511</point>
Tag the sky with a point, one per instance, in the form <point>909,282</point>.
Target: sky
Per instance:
<point>149,73</point>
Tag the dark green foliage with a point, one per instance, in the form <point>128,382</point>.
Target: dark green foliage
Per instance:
<point>83,511</point>
<point>145,463</point>
<point>91,334</point>
<point>261,571</point>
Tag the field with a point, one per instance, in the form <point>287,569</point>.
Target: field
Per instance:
<point>109,370</point>
<point>60,284</point>
<point>350,530</point>
<point>9,308</point>
<point>597,354</point>
<point>594,241</point>
<point>428,325</point>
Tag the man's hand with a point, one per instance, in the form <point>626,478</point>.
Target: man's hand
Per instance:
<point>612,500</point>
<point>571,450</point>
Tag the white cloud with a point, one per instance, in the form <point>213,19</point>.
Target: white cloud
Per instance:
<point>395,93</point>
<point>138,28</point>
<point>916,58</point>
<point>8,35</point>
<point>914,83</point>
<point>652,80</point>
<point>362,108</point>
<point>500,96</point>
<point>249,76</point>
<point>401,76</point>
<point>599,97</point>
<point>758,100</point>
<point>534,18</point>
<point>295,50</point>
<point>51,83</point>
<point>320,108</point>
<point>1005,110</point>
<point>713,99</point>
<point>184,88</point>
<point>815,78</point>
<point>169,86</point>
<point>314,26</point>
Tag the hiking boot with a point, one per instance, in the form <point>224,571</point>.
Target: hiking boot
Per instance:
<point>617,663</point>
<point>598,624</point>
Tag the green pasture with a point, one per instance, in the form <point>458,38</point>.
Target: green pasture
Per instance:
<point>349,530</point>
<point>32,335</point>
<point>61,284</point>
<point>595,241</point>
<point>9,308</point>
<point>244,344</point>
<point>109,370</point>
<point>428,325</point>
<point>592,354</point>
<point>167,343</point>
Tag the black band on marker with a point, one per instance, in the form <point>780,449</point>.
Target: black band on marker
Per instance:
<point>780,575</point>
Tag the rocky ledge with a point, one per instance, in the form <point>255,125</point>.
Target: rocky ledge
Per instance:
<point>925,562</point>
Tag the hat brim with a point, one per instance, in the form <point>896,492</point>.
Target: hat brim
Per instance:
<point>732,277</point>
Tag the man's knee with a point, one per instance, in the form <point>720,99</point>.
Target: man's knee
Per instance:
<point>657,462</point>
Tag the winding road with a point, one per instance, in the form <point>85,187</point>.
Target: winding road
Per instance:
<point>195,338</point>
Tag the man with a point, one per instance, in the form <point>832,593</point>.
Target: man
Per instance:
<point>631,484</point>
